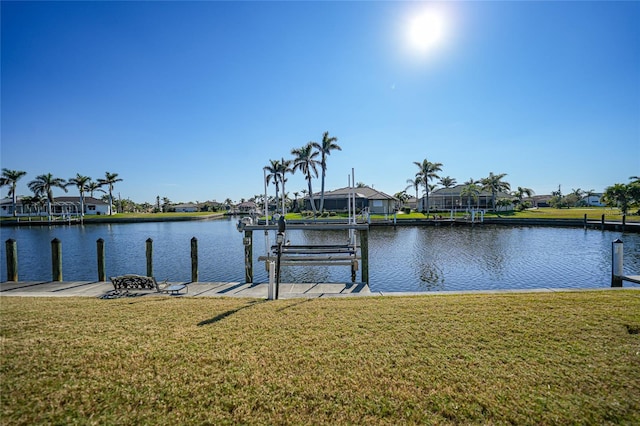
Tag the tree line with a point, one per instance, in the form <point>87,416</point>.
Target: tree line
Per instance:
<point>42,187</point>
<point>306,161</point>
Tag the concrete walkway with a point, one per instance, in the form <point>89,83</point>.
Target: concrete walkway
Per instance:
<point>199,289</point>
<point>236,289</point>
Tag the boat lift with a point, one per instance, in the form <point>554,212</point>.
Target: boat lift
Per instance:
<point>285,254</point>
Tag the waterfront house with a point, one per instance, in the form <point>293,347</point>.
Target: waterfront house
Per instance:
<point>454,198</point>
<point>248,207</point>
<point>61,206</point>
<point>594,200</point>
<point>377,202</point>
<point>185,208</point>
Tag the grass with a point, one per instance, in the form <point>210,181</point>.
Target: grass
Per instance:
<point>159,216</point>
<point>528,358</point>
<point>593,213</point>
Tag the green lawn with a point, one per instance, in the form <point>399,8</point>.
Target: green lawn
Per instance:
<point>527,358</point>
<point>593,213</point>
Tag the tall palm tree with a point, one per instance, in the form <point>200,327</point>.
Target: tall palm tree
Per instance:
<point>415,184</point>
<point>44,184</point>
<point>327,145</point>
<point>273,173</point>
<point>285,167</point>
<point>494,184</point>
<point>93,187</point>
<point>305,162</point>
<point>427,172</point>
<point>10,178</point>
<point>110,179</point>
<point>80,182</point>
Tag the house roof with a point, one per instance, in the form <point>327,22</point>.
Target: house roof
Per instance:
<point>455,191</point>
<point>361,192</point>
<point>247,204</point>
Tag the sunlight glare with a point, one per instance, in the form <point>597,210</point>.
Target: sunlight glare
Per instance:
<point>427,30</point>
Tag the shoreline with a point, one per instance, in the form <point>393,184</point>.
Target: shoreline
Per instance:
<point>548,222</point>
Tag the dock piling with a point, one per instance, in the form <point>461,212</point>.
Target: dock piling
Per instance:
<point>149,252</point>
<point>194,260</point>
<point>12,259</point>
<point>364,254</point>
<point>248,256</point>
<point>56,260</point>
<point>617,263</point>
<point>102,276</point>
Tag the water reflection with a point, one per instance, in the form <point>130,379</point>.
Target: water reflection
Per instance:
<point>401,259</point>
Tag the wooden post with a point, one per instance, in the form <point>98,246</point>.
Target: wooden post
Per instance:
<point>102,276</point>
<point>149,257</point>
<point>248,256</point>
<point>617,262</point>
<point>194,260</point>
<point>585,221</point>
<point>12,259</point>
<point>364,254</point>
<point>56,260</point>
<point>624,221</point>
<point>602,222</point>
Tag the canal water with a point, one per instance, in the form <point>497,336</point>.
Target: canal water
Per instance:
<point>401,259</point>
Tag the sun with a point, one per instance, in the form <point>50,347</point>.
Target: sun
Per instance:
<point>427,30</point>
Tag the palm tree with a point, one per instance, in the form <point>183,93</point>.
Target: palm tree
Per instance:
<point>296,194</point>
<point>10,178</point>
<point>305,162</point>
<point>285,167</point>
<point>402,197</point>
<point>109,180</point>
<point>415,184</point>
<point>328,144</point>
<point>30,201</point>
<point>44,184</point>
<point>521,192</point>
<point>93,187</point>
<point>304,195</point>
<point>273,170</point>
<point>81,183</point>
<point>618,196</point>
<point>471,191</point>
<point>494,184</point>
<point>427,172</point>
<point>448,182</point>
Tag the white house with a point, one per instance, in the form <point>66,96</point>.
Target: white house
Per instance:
<point>594,200</point>
<point>185,208</point>
<point>60,206</point>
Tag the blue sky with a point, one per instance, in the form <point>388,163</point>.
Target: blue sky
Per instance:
<point>190,100</point>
